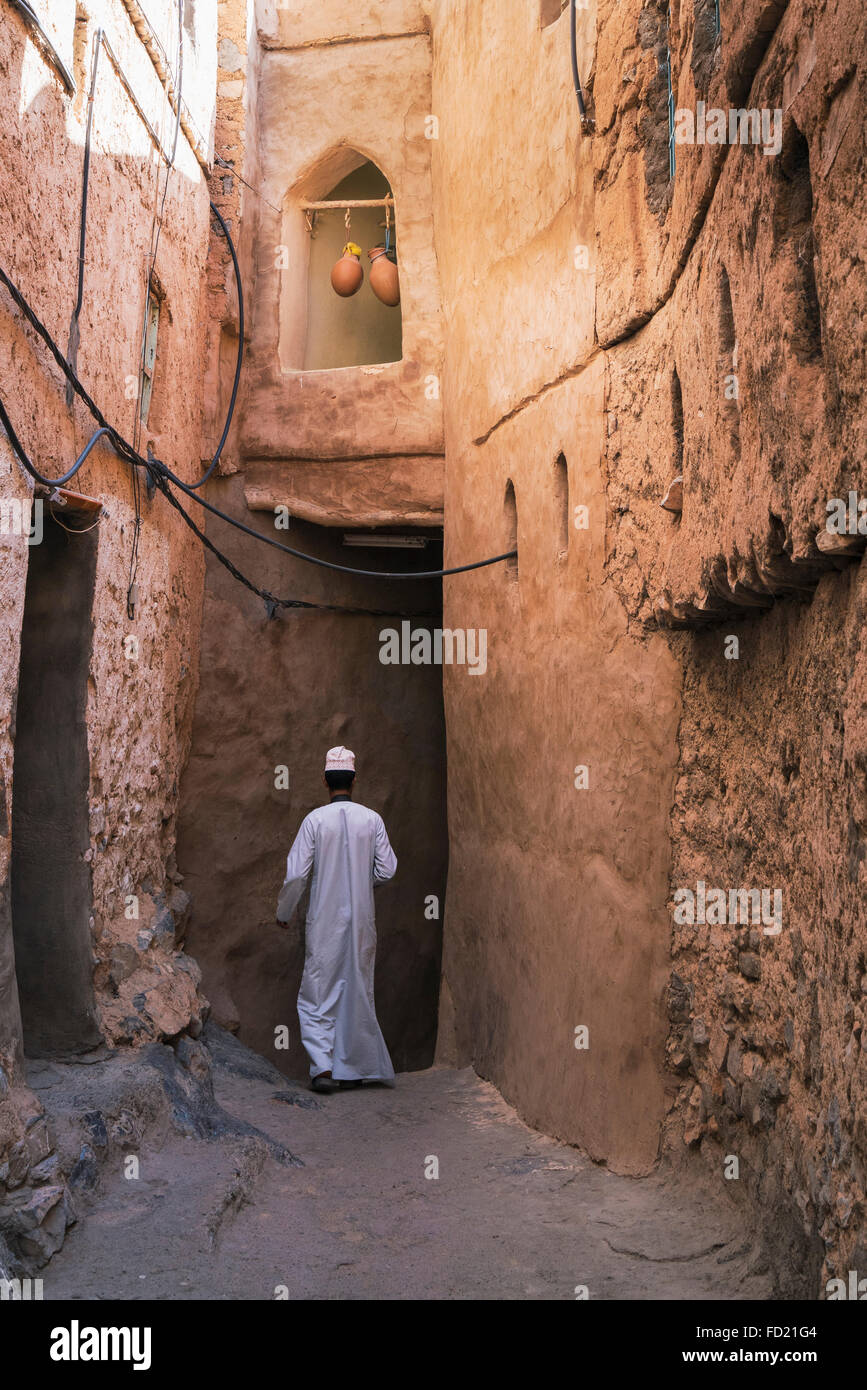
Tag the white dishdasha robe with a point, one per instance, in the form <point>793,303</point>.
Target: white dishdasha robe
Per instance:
<point>346,848</point>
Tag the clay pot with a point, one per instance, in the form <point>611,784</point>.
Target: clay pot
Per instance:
<point>347,273</point>
<point>384,279</point>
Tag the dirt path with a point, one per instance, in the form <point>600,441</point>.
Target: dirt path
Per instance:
<point>512,1214</point>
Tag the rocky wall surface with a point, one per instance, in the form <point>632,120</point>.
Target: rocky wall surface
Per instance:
<point>747,378</point>
<point>767,1027</point>
<point>143,666</point>
<point>747,381</point>
<point>646,222</point>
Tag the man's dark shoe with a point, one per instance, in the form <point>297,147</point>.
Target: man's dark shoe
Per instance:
<point>349,1085</point>
<point>322,1083</point>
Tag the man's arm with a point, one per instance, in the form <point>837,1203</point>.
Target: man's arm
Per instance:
<point>298,867</point>
<point>384,861</point>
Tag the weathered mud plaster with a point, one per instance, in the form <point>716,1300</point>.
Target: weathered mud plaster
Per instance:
<point>605,330</point>
<point>513,196</point>
<point>749,381</point>
<point>556,913</point>
<point>321,112</point>
<point>137,707</point>
<point>353,492</point>
<point>762,335</point>
<point>644,221</point>
<point>297,24</point>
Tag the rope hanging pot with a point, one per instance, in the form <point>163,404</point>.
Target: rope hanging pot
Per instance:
<point>384,278</point>
<point>347,273</point>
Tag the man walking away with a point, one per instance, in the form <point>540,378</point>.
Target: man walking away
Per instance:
<point>347,850</point>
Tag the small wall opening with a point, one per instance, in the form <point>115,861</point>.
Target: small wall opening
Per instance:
<point>360,330</point>
<point>793,231</point>
<point>510,514</point>
<point>728,361</point>
<point>676,425</point>
<point>50,880</point>
<point>561,504</point>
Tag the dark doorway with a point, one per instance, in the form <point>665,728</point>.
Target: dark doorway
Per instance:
<point>277,693</point>
<point>51,892</point>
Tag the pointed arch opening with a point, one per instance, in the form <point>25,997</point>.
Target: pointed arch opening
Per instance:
<point>320,329</point>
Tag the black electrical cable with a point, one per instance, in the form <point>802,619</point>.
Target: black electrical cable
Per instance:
<point>179,84</point>
<point>160,476</point>
<point>240,358</point>
<point>328,564</point>
<point>573,39</point>
<point>32,18</point>
<point>158,469</point>
<point>272,602</point>
<point>123,448</point>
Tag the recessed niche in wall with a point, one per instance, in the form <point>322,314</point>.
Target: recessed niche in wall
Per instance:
<point>359,330</point>
<point>728,361</point>
<point>561,502</point>
<point>793,234</point>
<point>510,516</point>
<point>677,423</point>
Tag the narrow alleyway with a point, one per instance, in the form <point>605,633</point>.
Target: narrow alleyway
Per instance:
<point>512,1215</point>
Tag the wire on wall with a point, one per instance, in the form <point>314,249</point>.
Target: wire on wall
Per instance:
<point>26,10</point>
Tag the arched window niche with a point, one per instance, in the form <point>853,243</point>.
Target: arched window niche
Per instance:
<point>319,330</point>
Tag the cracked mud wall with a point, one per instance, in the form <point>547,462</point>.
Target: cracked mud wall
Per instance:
<point>592,314</point>
<point>556,910</point>
<point>138,708</point>
<point>766,1031</point>
<point>752,268</point>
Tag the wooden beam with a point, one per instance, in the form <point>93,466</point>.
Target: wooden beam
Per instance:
<point>342,203</point>
<point>70,503</point>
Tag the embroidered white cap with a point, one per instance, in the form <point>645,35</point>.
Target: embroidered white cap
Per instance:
<point>340,760</point>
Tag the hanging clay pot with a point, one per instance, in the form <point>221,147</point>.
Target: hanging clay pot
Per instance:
<point>384,279</point>
<point>347,273</point>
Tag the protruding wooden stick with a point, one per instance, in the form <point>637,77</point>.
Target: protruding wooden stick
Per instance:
<point>348,203</point>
